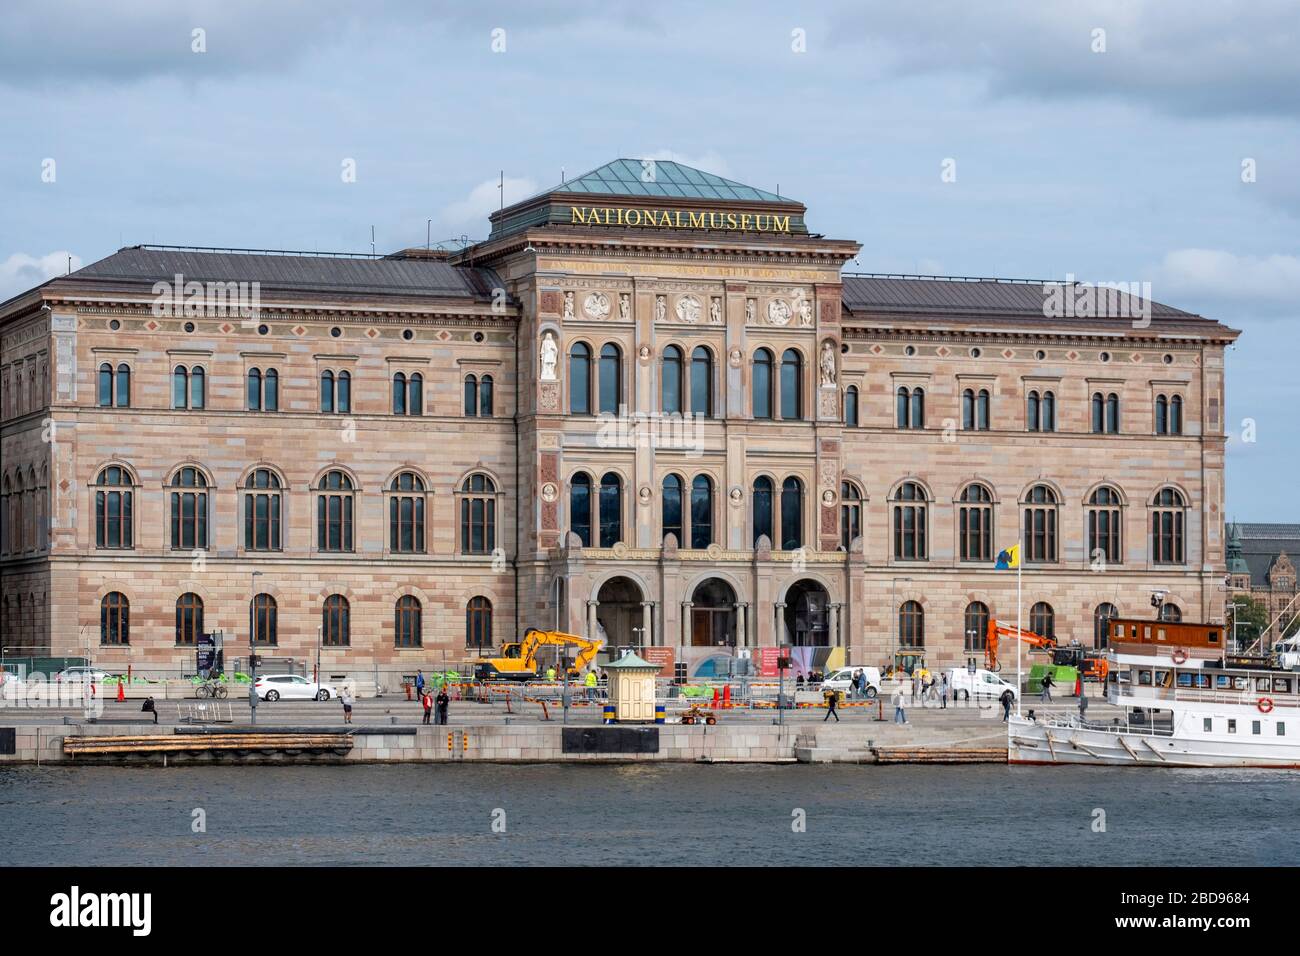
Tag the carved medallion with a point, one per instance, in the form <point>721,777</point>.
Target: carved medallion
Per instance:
<point>688,309</point>
<point>778,312</point>
<point>644,494</point>
<point>549,492</point>
<point>596,306</point>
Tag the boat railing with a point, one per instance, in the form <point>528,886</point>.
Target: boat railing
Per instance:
<point>1241,698</point>
<point>1116,725</point>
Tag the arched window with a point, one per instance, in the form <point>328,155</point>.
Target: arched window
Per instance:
<point>910,407</point>
<point>976,625</point>
<point>763,509</point>
<point>189,508</point>
<point>791,385</point>
<point>478,515</point>
<point>975,523</point>
<point>343,384</point>
<point>471,396</point>
<point>336,392</point>
<point>1170,613</point>
<point>1101,618</point>
<point>1168,512</point>
<point>188,388</point>
<point>1104,526</point>
<point>701,512</point>
<point>406,514</point>
<point>850,514</point>
<point>114,521</point>
<point>485,397</point>
<point>702,382</point>
<point>1112,414</point>
<point>408,626</point>
<point>253,390</point>
<point>336,622</point>
<point>910,523</point>
<point>334,507</point>
<point>791,514</point>
<point>982,410</point>
<point>580,379</point>
<point>580,508</point>
<point>114,619</point>
<point>104,393</point>
<point>611,378</point>
<point>266,623</point>
<point>911,625</point>
<point>478,623</point>
<point>327,391</point>
<point>1162,414</point>
<point>399,393</point>
<point>1040,525</point>
<point>262,511</point>
<point>762,384</point>
<point>1176,415</point>
<point>271,390</point>
<point>1042,619</point>
<point>189,618</point>
<point>1033,411</point>
<point>671,381</point>
<point>611,510</point>
<point>851,406</point>
<point>1098,413</point>
<point>415,394</point>
<point>968,409</point>
<point>1049,411</point>
<point>672,508</point>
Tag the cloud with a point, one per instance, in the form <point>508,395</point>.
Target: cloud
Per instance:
<point>486,198</point>
<point>1185,58</point>
<point>1256,285</point>
<point>21,272</point>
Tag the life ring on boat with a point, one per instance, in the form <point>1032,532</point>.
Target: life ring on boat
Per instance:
<point>1265,704</point>
<point>1179,655</point>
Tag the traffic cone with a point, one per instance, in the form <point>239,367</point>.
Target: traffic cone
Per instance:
<point>715,698</point>
<point>121,691</point>
<point>726,696</point>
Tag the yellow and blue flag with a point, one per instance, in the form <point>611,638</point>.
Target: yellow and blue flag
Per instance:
<point>1008,558</point>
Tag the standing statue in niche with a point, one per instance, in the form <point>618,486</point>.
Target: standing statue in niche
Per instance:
<point>568,305</point>
<point>805,312</point>
<point>550,356</point>
<point>750,307</point>
<point>624,306</point>
<point>661,308</point>
<point>828,364</point>
<point>715,310</point>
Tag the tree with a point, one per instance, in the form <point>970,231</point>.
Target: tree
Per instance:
<point>1251,617</point>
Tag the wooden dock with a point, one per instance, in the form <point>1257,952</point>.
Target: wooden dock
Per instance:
<point>210,746</point>
<point>944,755</point>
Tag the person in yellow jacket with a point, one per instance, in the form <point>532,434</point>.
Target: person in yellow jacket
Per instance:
<point>591,681</point>
<point>550,673</point>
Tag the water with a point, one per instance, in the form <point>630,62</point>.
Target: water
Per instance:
<point>647,814</point>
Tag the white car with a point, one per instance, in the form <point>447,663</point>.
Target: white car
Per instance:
<point>275,687</point>
<point>77,675</point>
<point>842,680</point>
<point>982,685</point>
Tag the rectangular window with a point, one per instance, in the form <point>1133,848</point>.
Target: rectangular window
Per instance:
<point>1209,724</point>
<point>1255,727</point>
<point>1281,729</point>
<point>1232,726</point>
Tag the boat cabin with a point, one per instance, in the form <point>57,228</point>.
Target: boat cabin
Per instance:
<point>1132,633</point>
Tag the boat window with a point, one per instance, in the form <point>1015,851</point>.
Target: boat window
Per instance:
<point>1261,683</point>
<point>1184,680</point>
<point>1222,680</point>
<point>1209,724</point>
<point>1146,634</point>
<point>1281,729</point>
<point>1239,683</point>
<point>1282,685</point>
<point>1160,633</point>
<point>1164,679</point>
<point>1213,637</point>
<point>1144,678</point>
<point>1254,727</point>
<point>1232,726</point>
<point>1202,680</point>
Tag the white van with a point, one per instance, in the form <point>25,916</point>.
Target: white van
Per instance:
<point>842,679</point>
<point>982,685</point>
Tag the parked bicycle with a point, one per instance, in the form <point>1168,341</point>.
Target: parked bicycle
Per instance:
<point>211,688</point>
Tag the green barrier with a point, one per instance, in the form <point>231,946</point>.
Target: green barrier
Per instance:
<point>1064,678</point>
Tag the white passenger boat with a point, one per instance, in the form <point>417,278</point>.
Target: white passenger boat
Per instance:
<point>1187,703</point>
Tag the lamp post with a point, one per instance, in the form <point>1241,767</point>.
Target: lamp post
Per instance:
<point>252,646</point>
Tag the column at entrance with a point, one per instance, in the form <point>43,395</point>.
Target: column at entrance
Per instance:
<point>742,620</point>
<point>593,628</point>
<point>685,636</point>
<point>833,626</point>
<point>647,629</point>
<point>778,631</point>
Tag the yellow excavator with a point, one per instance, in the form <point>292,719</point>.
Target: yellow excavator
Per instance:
<point>519,661</point>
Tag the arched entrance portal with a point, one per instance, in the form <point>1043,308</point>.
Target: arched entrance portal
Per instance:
<point>713,614</point>
<point>619,614</point>
<point>807,615</point>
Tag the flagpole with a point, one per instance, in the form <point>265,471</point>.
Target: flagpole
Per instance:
<point>1019,682</point>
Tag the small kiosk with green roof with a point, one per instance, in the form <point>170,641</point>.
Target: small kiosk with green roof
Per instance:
<point>632,688</point>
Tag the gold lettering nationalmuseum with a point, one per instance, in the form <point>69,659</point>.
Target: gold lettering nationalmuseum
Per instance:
<point>674,219</point>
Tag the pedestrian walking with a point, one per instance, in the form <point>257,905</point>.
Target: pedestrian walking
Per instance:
<point>442,701</point>
<point>345,697</point>
<point>1047,687</point>
<point>832,702</point>
<point>426,699</point>
<point>149,707</point>
<point>900,706</point>
<point>419,684</point>
<point>943,692</point>
<point>1007,699</point>
<point>916,684</point>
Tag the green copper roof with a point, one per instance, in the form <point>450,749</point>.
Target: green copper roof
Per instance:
<point>662,177</point>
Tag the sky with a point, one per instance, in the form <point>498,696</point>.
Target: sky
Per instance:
<point>1111,140</point>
